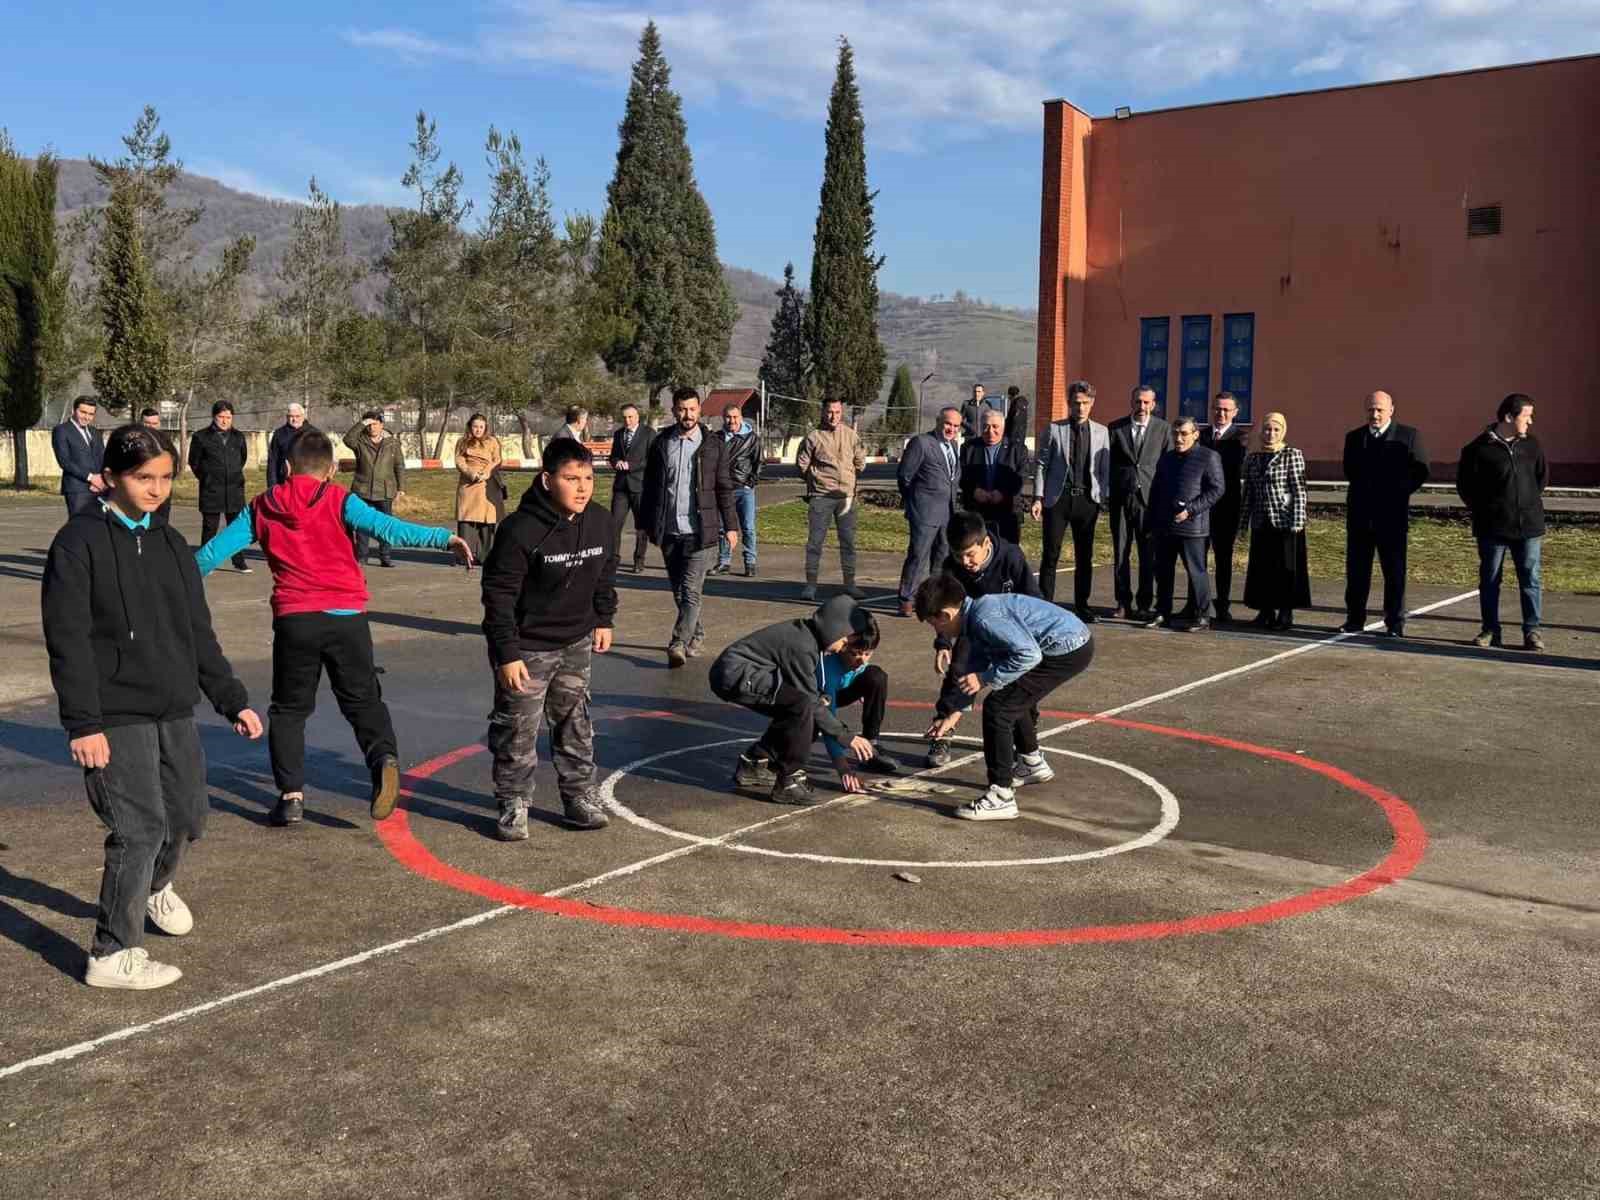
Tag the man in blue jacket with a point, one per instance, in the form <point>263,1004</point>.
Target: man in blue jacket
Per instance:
<point>929,478</point>
<point>1187,485</point>
<point>1022,648</point>
<point>80,452</point>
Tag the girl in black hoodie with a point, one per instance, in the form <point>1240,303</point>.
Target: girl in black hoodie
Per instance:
<point>549,602</point>
<point>131,649</point>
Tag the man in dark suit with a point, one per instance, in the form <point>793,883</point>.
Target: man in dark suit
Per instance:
<point>992,470</point>
<point>1186,488</point>
<point>929,473</point>
<point>972,415</point>
<point>217,455</point>
<point>1231,444</point>
<point>80,453</point>
<point>1385,463</point>
<point>630,447</point>
<point>1070,485</point>
<point>1137,443</point>
<point>1019,423</point>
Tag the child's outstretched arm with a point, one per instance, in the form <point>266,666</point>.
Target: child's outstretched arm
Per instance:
<point>240,533</point>
<point>363,518</point>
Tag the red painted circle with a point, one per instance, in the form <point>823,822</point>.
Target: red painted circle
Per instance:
<point>1410,843</point>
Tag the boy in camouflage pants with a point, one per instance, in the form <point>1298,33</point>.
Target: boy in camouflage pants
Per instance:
<point>549,600</point>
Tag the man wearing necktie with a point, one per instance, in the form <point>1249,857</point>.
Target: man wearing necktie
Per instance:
<point>630,448</point>
<point>1385,463</point>
<point>79,451</point>
<point>928,477</point>
<point>1137,443</point>
<point>992,469</point>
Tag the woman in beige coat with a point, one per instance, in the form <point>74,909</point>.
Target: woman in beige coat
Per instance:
<point>477,455</point>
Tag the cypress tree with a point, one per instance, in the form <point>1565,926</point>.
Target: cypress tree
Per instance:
<point>136,363</point>
<point>842,320</point>
<point>32,293</point>
<point>900,415</point>
<point>661,294</point>
<point>786,364</point>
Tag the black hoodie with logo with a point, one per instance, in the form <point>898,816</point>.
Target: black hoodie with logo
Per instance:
<point>549,580</point>
<point>128,629</point>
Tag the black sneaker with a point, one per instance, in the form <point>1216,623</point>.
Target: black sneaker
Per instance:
<point>754,772</point>
<point>385,786</point>
<point>939,752</point>
<point>1353,626</point>
<point>1086,615</point>
<point>794,788</point>
<point>290,810</point>
<point>879,764</point>
<point>386,562</point>
<point>749,570</point>
<point>722,569</point>
<point>583,813</point>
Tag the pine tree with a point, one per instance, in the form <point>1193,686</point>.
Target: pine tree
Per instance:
<point>900,414</point>
<point>786,364</point>
<point>316,276</point>
<point>842,319</point>
<point>136,363</point>
<point>33,293</point>
<point>209,331</point>
<point>660,290</point>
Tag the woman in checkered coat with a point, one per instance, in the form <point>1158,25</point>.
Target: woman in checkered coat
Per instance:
<point>1272,513</point>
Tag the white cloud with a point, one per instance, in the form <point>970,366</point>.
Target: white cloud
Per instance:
<point>240,179</point>
<point>942,69</point>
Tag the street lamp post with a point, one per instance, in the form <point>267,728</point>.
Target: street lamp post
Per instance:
<point>920,386</point>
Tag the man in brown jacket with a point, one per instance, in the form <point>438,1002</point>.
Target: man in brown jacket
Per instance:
<point>829,460</point>
<point>380,474</point>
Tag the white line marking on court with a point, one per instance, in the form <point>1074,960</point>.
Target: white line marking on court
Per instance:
<point>608,797</point>
<point>67,1053</point>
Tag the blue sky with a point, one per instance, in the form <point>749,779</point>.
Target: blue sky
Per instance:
<point>265,96</point>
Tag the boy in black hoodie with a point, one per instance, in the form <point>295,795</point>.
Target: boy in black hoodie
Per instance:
<point>549,601</point>
<point>985,565</point>
<point>782,672</point>
<point>131,649</point>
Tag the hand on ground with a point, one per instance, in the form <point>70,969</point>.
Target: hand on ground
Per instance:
<point>848,779</point>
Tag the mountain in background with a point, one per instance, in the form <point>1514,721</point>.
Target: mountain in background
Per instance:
<point>964,340</point>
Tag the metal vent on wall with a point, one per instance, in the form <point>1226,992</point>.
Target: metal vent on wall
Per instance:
<point>1483,222</point>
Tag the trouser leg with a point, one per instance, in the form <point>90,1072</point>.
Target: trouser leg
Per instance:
<point>566,710</point>
<point>1055,531</point>
<point>383,506</point>
<point>1193,552</point>
<point>871,689</point>
<point>347,653</point>
<point>296,672</point>
<point>1491,559</point>
<point>1166,547</point>
<point>819,511</point>
<point>1122,553</point>
<point>210,522</point>
<point>687,567</point>
<point>1528,557</point>
<point>1392,559</point>
<point>923,537</point>
<point>514,729</point>
<point>1083,517</point>
<point>1359,547</point>
<point>1144,542</point>
<point>183,795</point>
<point>1223,537</point>
<point>747,524</point>
<point>1012,724</point>
<point>238,559</point>
<point>126,795</point>
<point>792,714</point>
<point>844,524</point>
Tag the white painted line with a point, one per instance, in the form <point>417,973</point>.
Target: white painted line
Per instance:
<point>1307,648</point>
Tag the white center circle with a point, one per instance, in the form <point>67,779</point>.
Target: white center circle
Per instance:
<point>1165,825</point>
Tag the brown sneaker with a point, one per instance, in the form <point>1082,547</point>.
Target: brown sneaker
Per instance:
<point>1533,640</point>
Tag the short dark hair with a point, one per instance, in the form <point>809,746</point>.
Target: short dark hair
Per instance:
<point>311,452</point>
<point>372,414</point>
<point>149,412</point>
<point>685,393</point>
<point>966,531</point>
<point>221,406</point>
<point>1013,391</point>
<point>1512,406</point>
<point>1080,387</point>
<point>91,401</point>
<point>865,634</point>
<point>938,592</point>
<point>575,413</point>
<point>1226,395</point>
<point>130,447</point>
<point>562,451</point>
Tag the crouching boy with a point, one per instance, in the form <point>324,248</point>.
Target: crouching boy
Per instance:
<point>1020,647</point>
<point>549,602</point>
<point>319,615</point>
<point>783,673</point>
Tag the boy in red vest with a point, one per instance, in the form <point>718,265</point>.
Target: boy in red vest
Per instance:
<point>319,618</point>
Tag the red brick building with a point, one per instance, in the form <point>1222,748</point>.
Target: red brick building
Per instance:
<point>1435,238</point>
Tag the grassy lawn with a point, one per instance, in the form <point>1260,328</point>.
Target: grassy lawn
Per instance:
<point>1442,551</point>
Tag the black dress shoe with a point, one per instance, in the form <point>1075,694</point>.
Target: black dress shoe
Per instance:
<point>721,569</point>
<point>1394,631</point>
<point>289,810</point>
<point>1353,627</point>
<point>879,764</point>
<point>1263,620</point>
<point>749,570</point>
<point>1086,615</point>
<point>1224,616</point>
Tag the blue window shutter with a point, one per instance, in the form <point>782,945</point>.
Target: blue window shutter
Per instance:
<point>1153,355</point>
<point>1195,375</point>
<point>1238,358</point>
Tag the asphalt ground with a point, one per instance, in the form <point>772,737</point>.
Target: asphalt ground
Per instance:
<point>1350,949</point>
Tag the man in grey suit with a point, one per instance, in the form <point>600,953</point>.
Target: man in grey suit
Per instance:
<point>1070,485</point>
<point>80,451</point>
<point>929,475</point>
<point>1137,443</point>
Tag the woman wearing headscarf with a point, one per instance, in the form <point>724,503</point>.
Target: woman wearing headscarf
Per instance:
<point>477,510</point>
<point>1272,513</point>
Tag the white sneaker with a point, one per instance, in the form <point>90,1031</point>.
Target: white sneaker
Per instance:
<point>132,968</point>
<point>1031,769</point>
<point>169,913</point>
<point>997,804</point>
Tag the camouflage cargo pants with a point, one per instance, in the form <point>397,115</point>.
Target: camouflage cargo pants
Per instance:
<point>557,695</point>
